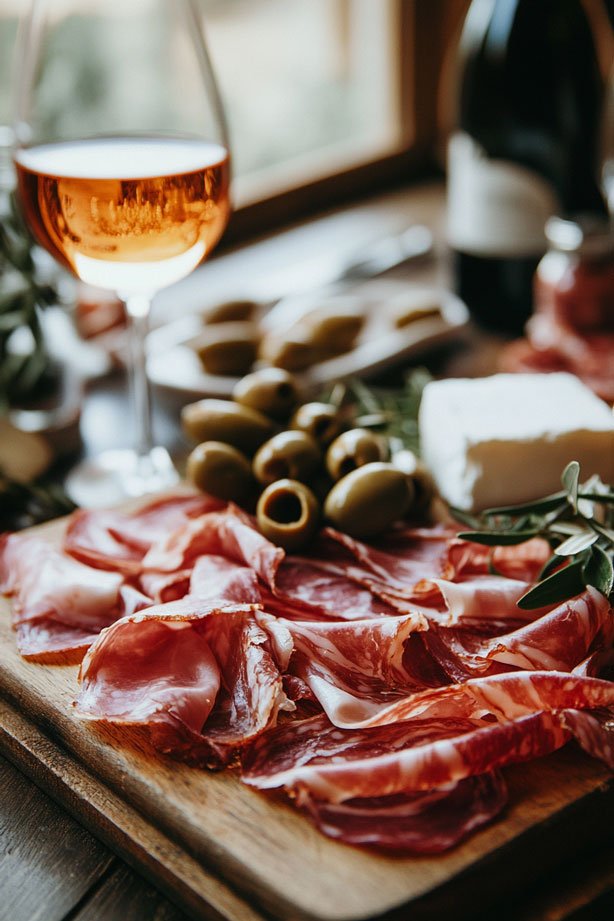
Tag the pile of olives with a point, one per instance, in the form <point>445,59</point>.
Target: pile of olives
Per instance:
<point>298,463</point>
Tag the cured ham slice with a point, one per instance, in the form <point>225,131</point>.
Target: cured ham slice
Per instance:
<point>335,765</point>
<point>47,583</point>
<point>51,642</point>
<point>216,577</point>
<point>305,589</point>
<point>594,731</point>
<point>522,561</point>
<point>199,675</point>
<point>481,598</point>
<point>119,540</point>
<point>414,823</point>
<point>558,640</point>
<point>231,534</point>
<point>353,669</point>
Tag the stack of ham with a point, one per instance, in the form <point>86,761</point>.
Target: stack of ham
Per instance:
<point>382,687</point>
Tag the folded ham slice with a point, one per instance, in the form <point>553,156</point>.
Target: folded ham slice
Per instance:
<point>200,675</point>
<point>413,823</point>
<point>119,540</point>
<point>47,583</point>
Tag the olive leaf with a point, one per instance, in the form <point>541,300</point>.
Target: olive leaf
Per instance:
<point>498,538</point>
<point>547,504</point>
<point>576,544</point>
<point>599,571</point>
<point>569,479</point>
<point>560,586</point>
<point>582,544</point>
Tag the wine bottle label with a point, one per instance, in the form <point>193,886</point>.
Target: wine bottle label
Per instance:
<point>496,208</point>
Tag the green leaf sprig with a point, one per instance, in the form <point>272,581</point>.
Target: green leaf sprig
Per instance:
<point>392,413</point>
<point>577,522</point>
<point>25,504</point>
<point>23,376</point>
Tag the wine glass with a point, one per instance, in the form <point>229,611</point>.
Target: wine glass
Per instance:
<point>122,164</point>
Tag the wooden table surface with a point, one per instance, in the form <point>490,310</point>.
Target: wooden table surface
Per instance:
<point>51,868</point>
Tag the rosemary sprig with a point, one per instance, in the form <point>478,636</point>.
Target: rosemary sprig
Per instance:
<point>577,522</point>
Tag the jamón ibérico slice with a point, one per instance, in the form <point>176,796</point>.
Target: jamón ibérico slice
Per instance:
<point>304,589</point>
<point>559,640</point>
<point>405,558</point>
<point>47,583</point>
<point>412,823</point>
<point>523,562</point>
<point>503,696</point>
<point>165,586</point>
<point>200,676</point>
<point>216,577</point>
<point>231,534</point>
<point>336,765</point>
<point>594,732</point>
<point>353,669</point>
<point>50,642</point>
<point>119,540</point>
<point>478,599</point>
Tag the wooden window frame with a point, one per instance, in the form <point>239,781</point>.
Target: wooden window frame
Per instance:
<point>424,30</point>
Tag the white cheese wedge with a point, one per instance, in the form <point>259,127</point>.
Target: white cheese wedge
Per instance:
<point>506,439</point>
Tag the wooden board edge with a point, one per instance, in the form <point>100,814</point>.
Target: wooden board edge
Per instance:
<point>169,868</point>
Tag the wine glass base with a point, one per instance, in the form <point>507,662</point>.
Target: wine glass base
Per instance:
<point>114,476</point>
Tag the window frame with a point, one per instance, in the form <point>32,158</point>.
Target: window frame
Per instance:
<point>424,29</point>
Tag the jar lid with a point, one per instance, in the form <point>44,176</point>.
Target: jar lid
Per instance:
<point>589,235</point>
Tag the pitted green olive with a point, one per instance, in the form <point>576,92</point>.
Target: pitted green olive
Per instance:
<point>368,500</point>
<point>353,449</point>
<point>220,470</point>
<point>293,455</point>
<point>288,514</point>
<point>228,311</point>
<point>223,420</point>
<point>271,391</point>
<point>320,420</point>
<point>420,477</point>
<point>292,352</point>
<point>227,348</point>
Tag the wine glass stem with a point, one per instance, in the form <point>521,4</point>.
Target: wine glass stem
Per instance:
<point>137,307</point>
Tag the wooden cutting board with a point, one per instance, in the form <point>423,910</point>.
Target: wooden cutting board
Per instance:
<point>227,852</point>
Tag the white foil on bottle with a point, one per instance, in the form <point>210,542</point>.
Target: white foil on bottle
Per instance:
<point>496,208</point>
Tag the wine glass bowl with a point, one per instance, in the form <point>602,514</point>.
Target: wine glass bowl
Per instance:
<point>122,175</point>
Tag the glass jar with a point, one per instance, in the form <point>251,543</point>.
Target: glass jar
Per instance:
<point>574,282</point>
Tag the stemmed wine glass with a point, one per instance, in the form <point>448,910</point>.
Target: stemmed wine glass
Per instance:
<point>122,165</point>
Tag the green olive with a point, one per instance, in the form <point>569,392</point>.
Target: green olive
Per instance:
<point>271,391</point>
<point>227,348</point>
<point>320,420</point>
<point>333,330</point>
<point>220,470</point>
<point>353,449</point>
<point>288,514</point>
<point>368,500</point>
<point>420,477</point>
<point>292,352</point>
<point>293,455</point>
<point>223,420</point>
<point>228,311</point>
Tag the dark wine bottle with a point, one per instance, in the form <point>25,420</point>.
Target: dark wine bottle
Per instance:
<point>526,147</point>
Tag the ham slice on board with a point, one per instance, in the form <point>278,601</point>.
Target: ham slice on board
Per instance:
<point>383,687</point>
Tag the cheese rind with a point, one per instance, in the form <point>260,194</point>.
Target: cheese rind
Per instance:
<point>506,439</point>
